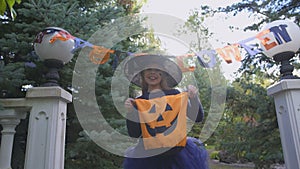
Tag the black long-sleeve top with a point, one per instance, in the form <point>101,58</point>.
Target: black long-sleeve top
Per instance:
<point>194,111</point>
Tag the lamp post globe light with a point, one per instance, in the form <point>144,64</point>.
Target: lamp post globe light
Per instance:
<point>53,45</point>
<point>281,44</point>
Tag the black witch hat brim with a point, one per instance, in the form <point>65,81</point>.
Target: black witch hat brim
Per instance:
<point>135,65</point>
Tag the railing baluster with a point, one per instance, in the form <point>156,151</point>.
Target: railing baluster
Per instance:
<point>9,119</point>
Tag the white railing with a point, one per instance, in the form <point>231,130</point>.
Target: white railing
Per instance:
<point>46,130</point>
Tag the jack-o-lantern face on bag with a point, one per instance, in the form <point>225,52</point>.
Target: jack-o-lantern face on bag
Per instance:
<point>163,120</point>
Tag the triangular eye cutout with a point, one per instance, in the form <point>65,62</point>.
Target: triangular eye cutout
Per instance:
<point>153,109</point>
<point>160,118</point>
<point>168,107</point>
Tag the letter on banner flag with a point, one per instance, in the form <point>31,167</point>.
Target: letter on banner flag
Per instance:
<point>250,49</point>
<point>182,65</point>
<point>79,44</point>
<point>265,40</point>
<point>61,35</point>
<point>207,58</point>
<point>280,31</point>
<point>224,56</point>
<point>228,51</point>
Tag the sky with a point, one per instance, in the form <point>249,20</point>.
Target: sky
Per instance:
<point>219,25</point>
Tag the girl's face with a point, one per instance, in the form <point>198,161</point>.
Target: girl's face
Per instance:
<point>152,77</point>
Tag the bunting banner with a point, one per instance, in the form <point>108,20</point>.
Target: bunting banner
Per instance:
<point>279,33</point>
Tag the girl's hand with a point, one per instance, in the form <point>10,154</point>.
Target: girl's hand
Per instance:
<point>192,91</point>
<point>129,104</point>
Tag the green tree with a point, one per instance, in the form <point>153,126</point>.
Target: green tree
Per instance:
<point>20,66</point>
<point>247,91</point>
<point>249,130</point>
<point>266,10</point>
<point>210,81</point>
<point>247,99</point>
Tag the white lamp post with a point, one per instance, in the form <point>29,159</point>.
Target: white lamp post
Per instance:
<point>47,121</point>
<point>47,106</point>
<point>53,45</point>
<point>281,43</point>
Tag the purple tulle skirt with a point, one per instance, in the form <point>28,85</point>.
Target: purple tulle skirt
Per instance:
<point>192,156</point>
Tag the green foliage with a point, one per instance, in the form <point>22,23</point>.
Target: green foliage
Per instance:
<point>266,10</point>
<point>82,152</point>
<point>34,15</point>
<point>8,3</point>
<point>214,155</point>
<point>81,18</point>
<point>11,79</point>
<point>194,24</point>
<point>249,130</point>
<point>210,81</point>
<point>11,74</point>
<point>87,154</point>
<point>246,96</point>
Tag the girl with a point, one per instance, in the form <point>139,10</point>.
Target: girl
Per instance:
<point>158,117</point>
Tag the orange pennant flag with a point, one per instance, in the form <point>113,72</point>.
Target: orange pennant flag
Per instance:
<point>182,66</point>
<point>100,55</point>
<point>237,53</point>
<point>228,51</point>
<point>223,55</point>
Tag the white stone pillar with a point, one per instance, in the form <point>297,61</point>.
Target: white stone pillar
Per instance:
<point>47,126</point>
<point>9,119</point>
<point>287,102</point>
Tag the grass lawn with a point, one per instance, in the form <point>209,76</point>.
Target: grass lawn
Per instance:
<point>216,165</point>
<point>213,165</point>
